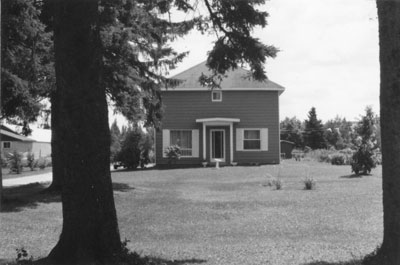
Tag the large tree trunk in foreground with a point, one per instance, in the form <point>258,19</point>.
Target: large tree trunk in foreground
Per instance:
<point>90,229</point>
<point>389,41</point>
<point>56,145</point>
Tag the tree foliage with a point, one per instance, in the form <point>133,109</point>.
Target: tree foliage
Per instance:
<point>27,73</point>
<point>136,146</point>
<point>314,131</point>
<point>364,158</point>
<point>115,146</point>
<point>292,130</point>
<point>339,133</point>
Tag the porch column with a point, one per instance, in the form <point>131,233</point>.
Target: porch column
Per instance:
<point>204,141</point>
<point>231,140</point>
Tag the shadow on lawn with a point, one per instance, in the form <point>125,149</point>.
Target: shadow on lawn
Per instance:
<point>134,258</point>
<point>16,198</point>
<point>351,176</point>
<point>352,262</point>
<point>158,261</point>
<point>129,258</point>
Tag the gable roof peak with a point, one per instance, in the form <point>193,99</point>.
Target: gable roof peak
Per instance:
<point>235,79</point>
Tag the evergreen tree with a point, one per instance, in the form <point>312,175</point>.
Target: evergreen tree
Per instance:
<point>364,159</point>
<point>314,131</point>
<point>130,153</point>
<point>27,72</point>
<point>92,65</point>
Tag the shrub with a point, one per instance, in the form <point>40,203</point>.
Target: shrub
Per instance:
<point>31,160</point>
<point>3,161</point>
<point>338,159</point>
<point>277,183</point>
<point>130,152</point>
<point>41,163</point>
<point>173,153</point>
<point>363,160</point>
<point>49,161</point>
<point>274,182</point>
<point>23,256</point>
<point>14,162</point>
<point>309,183</point>
<point>146,150</point>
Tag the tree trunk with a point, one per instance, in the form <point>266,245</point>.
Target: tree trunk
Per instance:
<point>90,229</point>
<point>56,152</point>
<point>1,148</point>
<point>389,41</point>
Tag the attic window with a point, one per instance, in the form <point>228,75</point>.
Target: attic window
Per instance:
<point>216,96</point>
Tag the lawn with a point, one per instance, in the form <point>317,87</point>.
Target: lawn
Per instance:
<point>226,216</point>
<point>26,172</point>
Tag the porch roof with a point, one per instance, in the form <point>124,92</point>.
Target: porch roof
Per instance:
<point>217,120</point>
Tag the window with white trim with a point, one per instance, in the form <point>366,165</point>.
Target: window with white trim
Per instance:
<point>183,139</point>
<point>251,140</point>
<point>6,145</point>
<point>216,96</point>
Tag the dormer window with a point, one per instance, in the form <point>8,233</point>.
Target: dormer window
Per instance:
<point>216,96</point>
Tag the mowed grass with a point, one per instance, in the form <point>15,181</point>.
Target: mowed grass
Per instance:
<point>226,216</point>
<point>26,172</point>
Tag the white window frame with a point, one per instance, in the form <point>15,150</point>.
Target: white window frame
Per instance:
<point>9,143</point>
<point>216,92</point>
<point>259,139</point>
<point>191,141</point>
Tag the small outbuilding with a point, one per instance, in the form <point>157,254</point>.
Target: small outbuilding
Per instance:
<point>12,141</point>
<point>286,149</point>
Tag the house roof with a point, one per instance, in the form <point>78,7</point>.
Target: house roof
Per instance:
<point>234,80</point>
<point>9,135</point>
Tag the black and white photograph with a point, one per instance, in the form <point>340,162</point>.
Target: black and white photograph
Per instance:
<point>210,132</point>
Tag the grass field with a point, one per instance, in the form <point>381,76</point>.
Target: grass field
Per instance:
<point>226,216</point>
<point>26,172</point>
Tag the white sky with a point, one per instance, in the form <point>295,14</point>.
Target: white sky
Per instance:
<point>329,55</point>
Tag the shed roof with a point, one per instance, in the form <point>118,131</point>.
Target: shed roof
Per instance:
<point>234,80</point>
<point>10,135</point>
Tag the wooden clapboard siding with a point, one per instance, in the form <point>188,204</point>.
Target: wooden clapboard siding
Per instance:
<point>255,109</point>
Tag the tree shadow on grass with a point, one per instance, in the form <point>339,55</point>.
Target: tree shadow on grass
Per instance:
<point>123,187</point>
<point>17,198</point>
<point>135,259</point>
<point>351,262</point>
<point>131,258</point>
<point>351,176</point>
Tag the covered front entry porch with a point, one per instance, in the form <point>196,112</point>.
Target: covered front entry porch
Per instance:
<point>217,139</point>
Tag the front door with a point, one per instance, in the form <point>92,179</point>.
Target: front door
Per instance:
<point>217,145</point>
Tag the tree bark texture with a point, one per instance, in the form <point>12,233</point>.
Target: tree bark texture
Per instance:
<point>389,42</point>
<point>56,145</point>
<point>90,232</point>
<point>1,166</point>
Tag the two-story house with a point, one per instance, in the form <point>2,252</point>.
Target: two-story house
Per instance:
<point>237,123</point>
